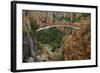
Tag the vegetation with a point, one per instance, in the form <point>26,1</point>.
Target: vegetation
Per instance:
<point>33,24</point>
<point>51,36</point>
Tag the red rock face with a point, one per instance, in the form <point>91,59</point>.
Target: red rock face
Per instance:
<point>77,45</point>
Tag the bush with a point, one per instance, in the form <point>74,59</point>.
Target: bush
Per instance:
<point>33,24</point>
